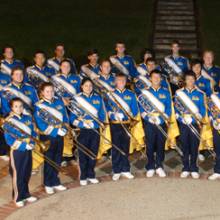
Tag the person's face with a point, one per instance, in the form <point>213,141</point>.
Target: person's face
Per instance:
<point>65,68</point>
<point>17,76</point>
<point>197,69</point>
<point>208,58</point>
<point>120,82</point>
<point>190,81</point>
<point>155,80</point>
<point>48,92</point>
<point>151,66</point>
<point>120,48</point>
<point>93,58</point>
<point>59,51</point>
<point>17,107</point>
<point>39,59</point>
<point>175,48</point>
<point>9,53</point>
<point>106,68</point>
<point>87,87</point>
<point>146,56</point>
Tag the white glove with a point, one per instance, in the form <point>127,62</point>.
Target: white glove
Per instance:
<point>143,114</point>
<point>119,116</point>
<point>187,120</point>
<point>29,147</point>
<point>216,125</point>
<point>199,116</point>
<point>88,125</point>
<point>61,132</point>
<point>154,120</point>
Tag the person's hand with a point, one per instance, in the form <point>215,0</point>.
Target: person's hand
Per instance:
<point>62,132</point>
<point>29,147</point>
<point>119,116</point>
<point>187,120</point>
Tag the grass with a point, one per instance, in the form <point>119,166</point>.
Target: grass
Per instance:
<point>80,24</point>
<point>210,26</point>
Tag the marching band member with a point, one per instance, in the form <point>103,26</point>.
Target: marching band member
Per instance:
<point>214,115</point>
<point>18,88</point>
<point>155,140</point>
<point>53,134</point>
<point>191,98</point>
<point>118,119</point>
<point>145,54</point>
<point>88,137</point>
<point>212,70</point>
<point>203,83</point>
<point>8,63</point>
<point>39,67</point>
<point>59,56</point>
<point>93,65</point>
<point>20,153</point>
<point>122,62</point>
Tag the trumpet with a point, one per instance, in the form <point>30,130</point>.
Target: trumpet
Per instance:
<point>148,108</point>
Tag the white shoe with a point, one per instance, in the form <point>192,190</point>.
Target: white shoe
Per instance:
<point>127,175</point>
<point>83,182</point>
<point>195,175</point>
<point>214,176</point>
<point>93,180</point>
<point>19,204</point>
<point>49,190</point>
<point>31,199</point>
<point>201,157</point>
<point>150,173</point>
<point>160,172</point>
<point>64,163</point>
<point>60,188</point>
<point>5,158</point>
<point>184,174</point>
<point>116,176</point>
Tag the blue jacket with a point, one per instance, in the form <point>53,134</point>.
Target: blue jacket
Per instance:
<point>204,84</point>
<point>181,62</point>
<point>95,69</point>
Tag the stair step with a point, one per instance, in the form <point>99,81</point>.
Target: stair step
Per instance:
<point>175,35</point>
<point>176,28</point>
<point>175,18</point>
<point>173,22</point>
<point>167,47</point>
<point>166,12</point>
<point>175,3</point>
<point>171,8</point>
<point>169,41</point>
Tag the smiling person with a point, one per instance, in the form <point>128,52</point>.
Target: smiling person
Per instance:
<point>20,151</point>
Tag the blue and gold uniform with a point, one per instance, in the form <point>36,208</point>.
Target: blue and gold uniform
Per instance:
<point>52,131</point>
<point>94,68</point>
<point>128,62</point>
<point>25,91</point>
<point>88,137</point>
<point>189,141</point>
<point>5,79</point>
<point>214,72</point>
<point>120,138</point>
<point>20,153</point>
<point>181,62</point>
<point>110,79</point>
<point>155,140</point>
<point>204,85</point>
<point>6,67</point>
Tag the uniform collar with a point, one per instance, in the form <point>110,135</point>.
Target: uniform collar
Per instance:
<point>120,57</point>
<point>121,91</point>
<point>16,115</point>
<point>66,76</point>
<point>156,90</point>
<point>94,66</point>
<point>207,68</point>
<point>88,96</point>
<point>48,101</point>
<point>17,86</point>
<point>104,76</point>
<point>40,68</point>
<point>200,76</point>
<point>9,62</point>
<point>190,91</point>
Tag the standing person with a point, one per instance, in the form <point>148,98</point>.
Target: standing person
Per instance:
<point>118,121</point>
<point>155,140</point>
<point>52,132</point>
<point>190,115</point>
<point>20,151</point>
<point>59,56</point>
<point>89,130</point>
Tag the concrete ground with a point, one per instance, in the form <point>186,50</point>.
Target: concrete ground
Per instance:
<point>141,199</point>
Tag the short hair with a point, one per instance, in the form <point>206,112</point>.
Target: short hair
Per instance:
<point>7,46</point>
<point>59,44</point>
<point>195,62</point>
<point>65,61</point>
<point>189,73</point>
<point>155,71</point>
<point>119,42</point>
<point>150,59</point>
<point>175,42</point>
<point>86,79</point>
<point>120,74</point>
<point>209,51</point>
<point>105,61</point>
<point>16,69</point>
<point>92,51</point>
<point>44,85</point>
<point>16,99</point>
<point>146,51</point>
<point>39,52</point>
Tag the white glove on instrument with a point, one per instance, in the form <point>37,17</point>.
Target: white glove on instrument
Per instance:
<point>199,116</point>
<point>29,147</point>
<point>88,125</point>
<point>187,120</point>
<point>119,116</point>
<point>61,132</point>
<point>216,125</point>
<point>154,120</point>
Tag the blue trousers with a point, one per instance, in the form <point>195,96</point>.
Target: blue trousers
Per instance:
<point>155,142</point>
<point>20,168</point>
<point>3,146</point>
<point>190,145</point>
<point>54,153</point>
<point>120,138</point>
<point>216,142</point>
<point>90,139</point>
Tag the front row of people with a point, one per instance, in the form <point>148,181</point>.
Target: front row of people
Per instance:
<point>19,128</point>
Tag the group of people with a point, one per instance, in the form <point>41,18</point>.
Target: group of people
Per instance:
<point>112,108</point>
